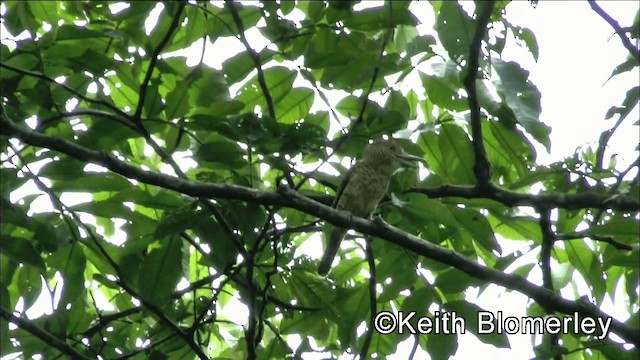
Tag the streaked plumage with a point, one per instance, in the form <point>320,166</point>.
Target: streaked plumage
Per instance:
<point>363,187</point>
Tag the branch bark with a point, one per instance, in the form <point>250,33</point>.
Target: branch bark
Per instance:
<point>550,200</point>
<point>616,27</point>
<point>286,197</point>
<point>481,167</point>
<point>44,336</point>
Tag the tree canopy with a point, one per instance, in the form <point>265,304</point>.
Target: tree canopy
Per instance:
<point>151,198</point>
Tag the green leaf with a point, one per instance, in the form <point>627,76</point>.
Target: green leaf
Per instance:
<point>443,92</point>
<point>279,81</point>
<point>523,98</point>
<point>311,291</point>
<point>68,32</point>
<point>526,36</point>
<point>223,24</point>
<point>208,86</point>
<point>160,271</point>
<point>71,262</point>
<point>378,18</point>
<point>517,227</point>
<point>162,199</point>
<point>91,182</point>
<point>478,227</point>
<point>21,251</point>
<point>442,346</point>
<point>239,66</point>
<point>21,61</point>
<point>455,29</point>
<point>194,30</point>
<point>418,301</point>
<point>398,103</point>
<point>354,307</point>
<point>561,275</point>
<point>454,281</point>
<point>628,65</point>
<point>508,149</point>
<point>457,153</point>
<point>221,152</point>
<point>177,101</point>
<point>395,265</point>
<point>295,105</point>
<point>624,229</point>
<point>470,312</point>
<point>176,221</point>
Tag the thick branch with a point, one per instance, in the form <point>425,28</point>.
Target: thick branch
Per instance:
<point>289,198</point>
<point>551,200</point>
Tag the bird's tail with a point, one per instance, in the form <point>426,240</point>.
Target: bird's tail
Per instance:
<point>335,238</point>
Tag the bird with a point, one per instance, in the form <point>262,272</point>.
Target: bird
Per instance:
<point>362,188</point>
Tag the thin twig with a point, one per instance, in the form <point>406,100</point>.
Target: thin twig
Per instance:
<point>626,42</point>
<point>66,87</point>
<point>254,57</point>
<point>154,59</point>
<point>605,239</point>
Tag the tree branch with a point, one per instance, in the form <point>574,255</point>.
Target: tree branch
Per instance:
<point>289,198</point>
<point>548,238</point>
<point>551,200</point>
<point>154,59</point>
<point>616,27</point>
<point>605,239</point>
<point>481,167</point>
<point>254,56</point>
<point>46,337</point>
<point>153,308</point>
<point>66,87</point>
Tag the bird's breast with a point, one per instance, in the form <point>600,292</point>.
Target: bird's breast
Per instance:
<point>363,192</point>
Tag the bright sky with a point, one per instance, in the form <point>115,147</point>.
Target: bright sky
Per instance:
<point>577,54</point>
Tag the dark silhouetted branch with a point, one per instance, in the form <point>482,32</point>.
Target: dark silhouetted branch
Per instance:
<point>626,42</point>
<point>44,336</point>
<point>286,197</point>
<point>481,167</point>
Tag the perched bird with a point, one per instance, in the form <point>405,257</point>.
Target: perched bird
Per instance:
<point>363,187</point>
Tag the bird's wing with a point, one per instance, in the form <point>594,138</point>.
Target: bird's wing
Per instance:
<point>343,184</point>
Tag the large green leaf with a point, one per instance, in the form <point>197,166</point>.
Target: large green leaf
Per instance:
<point>21,251</point>
<point>471,314</point>
<point>455,28</point>
<point>70,261</point>
<point>382,17</point>
<point>523,98</point>
<point>160,271</point>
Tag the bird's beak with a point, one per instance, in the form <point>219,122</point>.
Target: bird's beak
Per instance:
<point>409,160</point>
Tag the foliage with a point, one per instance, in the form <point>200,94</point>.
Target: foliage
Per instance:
<point>137,269</point>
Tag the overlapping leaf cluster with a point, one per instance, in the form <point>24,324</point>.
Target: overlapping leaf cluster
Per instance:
<point>88,74</point>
